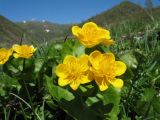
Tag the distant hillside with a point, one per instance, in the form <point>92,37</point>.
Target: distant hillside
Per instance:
<point>46,31</point>
<point>156,12</point>
<point>10,33</point>
<point>125,11</point>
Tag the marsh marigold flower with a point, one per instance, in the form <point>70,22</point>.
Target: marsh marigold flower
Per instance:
<point>106,70</point>
<point>4,55</point>
<point>91,35</point>
<point>73,71</point>
<point>23,51</point>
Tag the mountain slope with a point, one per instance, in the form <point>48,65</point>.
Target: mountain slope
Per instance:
<point>10,33</point>
<point>125,11</point>
<point>46,31</point>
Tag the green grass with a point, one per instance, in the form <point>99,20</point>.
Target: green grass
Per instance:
<point>139,96</point>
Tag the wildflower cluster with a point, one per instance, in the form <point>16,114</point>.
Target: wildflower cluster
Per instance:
<point>99,67</point>
<point>18,51</point>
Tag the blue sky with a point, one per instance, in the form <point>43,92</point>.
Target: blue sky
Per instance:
<point>57,11</point>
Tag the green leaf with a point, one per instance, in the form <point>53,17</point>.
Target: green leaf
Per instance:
<point>55,51</point>
<point>91,100</point>
<point>148,95</point>
<point>141,107</point>
<point>38,64</point>
<point>7,84</point>
<point>112,96</point>
<point>87,90</point>
<point>79,50</point>
<point>14,66</point>
<point>129,59</point>
<point>57,92</point>
<point>149,103</point>
<point>72,47</point>
<point>50,102</point>
<point>156,104</point>
<point>90,50</point>
<point>79,111</point>
<point>83,89</point>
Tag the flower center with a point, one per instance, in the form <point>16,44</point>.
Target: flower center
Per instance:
<point>75,72</point>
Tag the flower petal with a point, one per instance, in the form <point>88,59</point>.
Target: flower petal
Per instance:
<point>16,48</point>
<point>120,68</point>
<point>85,79</point>
<point>10,51</point>
<point>108,57</point>
<point>83,60</point>
<point>16,55</point>
<point>63,81</point>
<point>2,62</point>
<point>103,85</point>
<point>95,58</point>
<point>76,30</point>
<point>3,50</point>
<point>69,59</point>
<point>108,42</point>
<point>74,85</point>
<point>104,34</point>
<point>27,55</point>
<point>61,71</point>
<point>32,48</point>
<point>89,44</point>
<point>118,83</point>
<point>90,75</point>
<point>89,25</point>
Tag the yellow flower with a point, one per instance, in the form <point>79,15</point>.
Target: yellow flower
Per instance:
<point>105,70</point>
<point>4,55</point>
<point>73,71</point>
<point>23,51</point>
<point>91,35</point>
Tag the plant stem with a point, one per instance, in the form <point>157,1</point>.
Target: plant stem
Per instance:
<point>130,91</point>
<point>21,39</point>
<point>27,91</point>
<point>5,116</point>
<point>21,99</point>
<point>128,96</point>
